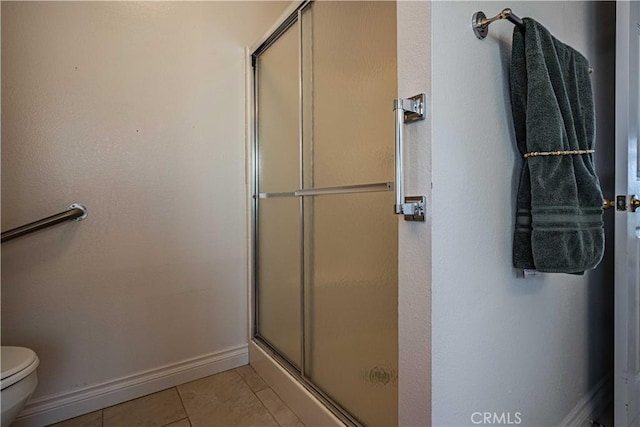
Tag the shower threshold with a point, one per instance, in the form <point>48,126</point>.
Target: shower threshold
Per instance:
<point>311,405</point>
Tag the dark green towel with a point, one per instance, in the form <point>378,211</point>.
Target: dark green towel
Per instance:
<point>559,227</point>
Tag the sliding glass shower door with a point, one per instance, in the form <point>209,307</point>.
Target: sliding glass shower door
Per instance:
<point>278,258</point>
<point>326,234</point>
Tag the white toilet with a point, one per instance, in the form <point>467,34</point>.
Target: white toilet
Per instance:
<point>18,380</point>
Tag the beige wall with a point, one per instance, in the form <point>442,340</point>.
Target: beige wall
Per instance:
<point>415,238</point>
<point>136,110</point>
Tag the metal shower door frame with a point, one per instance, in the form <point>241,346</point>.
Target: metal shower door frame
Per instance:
<point>412,207</point>
<point>295,18</point>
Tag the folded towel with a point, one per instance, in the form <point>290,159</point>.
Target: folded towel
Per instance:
<point>559,227</point>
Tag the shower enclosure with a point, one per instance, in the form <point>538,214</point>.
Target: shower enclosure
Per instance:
<point>325,233</point>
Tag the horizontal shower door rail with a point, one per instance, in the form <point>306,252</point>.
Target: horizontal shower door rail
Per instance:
<point>76,212</point>
<point>358,188</point>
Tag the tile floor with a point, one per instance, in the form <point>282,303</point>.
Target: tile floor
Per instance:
<point>234,398</point>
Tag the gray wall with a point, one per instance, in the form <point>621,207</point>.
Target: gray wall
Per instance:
<point>503,343</point>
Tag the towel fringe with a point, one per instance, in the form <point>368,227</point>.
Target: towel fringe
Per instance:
<point>557,153</point>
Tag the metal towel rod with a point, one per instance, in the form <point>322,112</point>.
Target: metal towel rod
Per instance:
<point>76,212</point>
<point>480,23</point>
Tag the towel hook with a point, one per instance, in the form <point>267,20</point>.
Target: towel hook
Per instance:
<point>480,23</point>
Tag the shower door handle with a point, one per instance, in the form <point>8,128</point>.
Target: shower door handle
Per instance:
<point>407,111</point>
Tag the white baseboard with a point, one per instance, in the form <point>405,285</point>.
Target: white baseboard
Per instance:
<point>51,409</point>
<point>591,405</point>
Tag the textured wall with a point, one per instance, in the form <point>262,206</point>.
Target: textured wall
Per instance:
<point>501,343</point>
<point>414,249</point>
<point>135,109</point>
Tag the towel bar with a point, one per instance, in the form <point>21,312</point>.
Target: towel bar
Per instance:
<point>480,23</point>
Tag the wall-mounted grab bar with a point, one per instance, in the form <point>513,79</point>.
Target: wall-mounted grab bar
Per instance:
<point>76,212</point>
<point>407,111</point>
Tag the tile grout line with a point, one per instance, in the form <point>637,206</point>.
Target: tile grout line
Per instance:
<point>265,406</point>
<point>280,398</point>
<point>254,371</point>
<point>172,422</point>
<point>255,395</point>
<point>286,406</point>
<point>273,415</point>
<point>184,407</point>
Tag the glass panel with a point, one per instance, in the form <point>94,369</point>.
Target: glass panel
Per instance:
<point>350,81</point>
<point>278,115</point>
<point>351,302</point>
<point>278,275</point>
<point>278,234</point>
<point>637,106</point>
<point>350,241</point>
<point>306,32</point>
